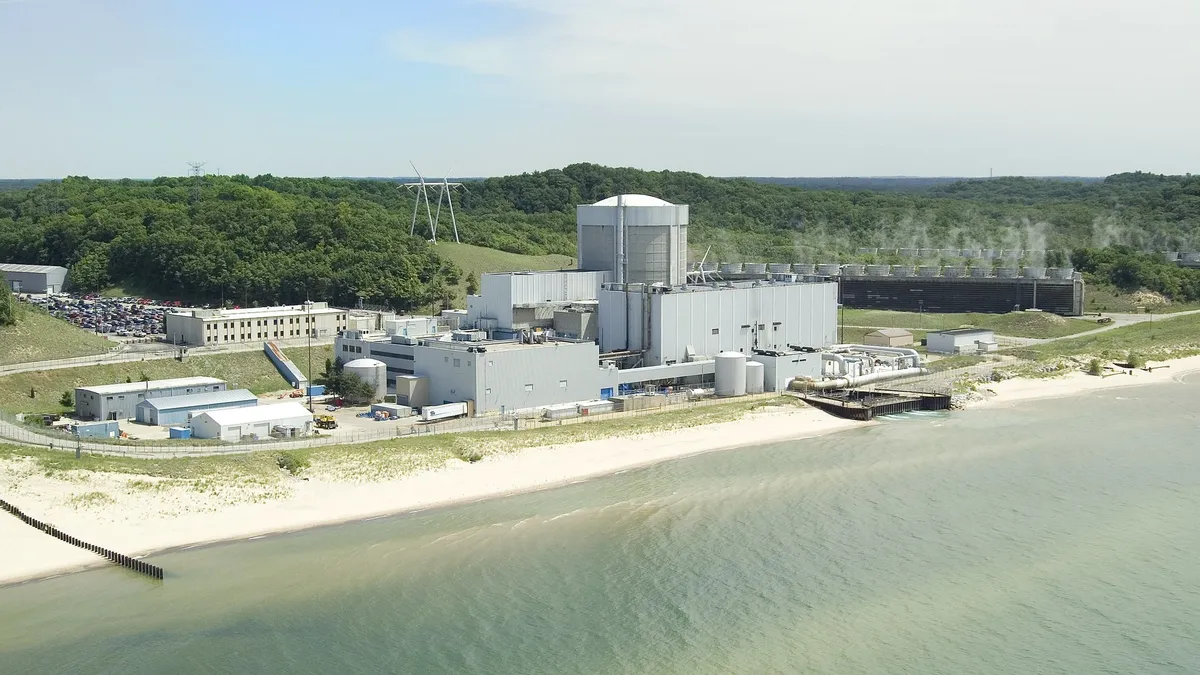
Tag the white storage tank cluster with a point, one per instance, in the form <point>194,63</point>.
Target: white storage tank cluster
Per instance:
<point>754,268</point>
<point>804,268</point>
<point>372,372</point>
<point>755,377</point>
<point>731,374</point>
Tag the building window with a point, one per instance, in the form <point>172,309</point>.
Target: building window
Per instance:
<point>529,387</point>
<point>445,359</point>
<point>487,392</point>
<point>457,363</point>
<point>562,384</point>
<point>716,331</point>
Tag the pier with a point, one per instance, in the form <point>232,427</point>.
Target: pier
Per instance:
<point>864,405</point>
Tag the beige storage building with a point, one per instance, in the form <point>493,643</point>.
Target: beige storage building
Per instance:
<point>203,327</point>
<point>888,337</point>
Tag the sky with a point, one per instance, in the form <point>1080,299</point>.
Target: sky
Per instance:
<point>139,88</point>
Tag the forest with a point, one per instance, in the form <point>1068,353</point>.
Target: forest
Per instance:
<point>267,239</point>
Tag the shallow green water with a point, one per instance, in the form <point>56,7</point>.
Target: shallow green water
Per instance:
<point>1056,537</point>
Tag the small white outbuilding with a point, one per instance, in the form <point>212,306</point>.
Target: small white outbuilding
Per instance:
<point>233,425</point>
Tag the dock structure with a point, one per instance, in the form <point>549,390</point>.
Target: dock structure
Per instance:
<point>864,405</point>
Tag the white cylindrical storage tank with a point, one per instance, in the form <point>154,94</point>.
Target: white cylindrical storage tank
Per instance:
<point>730,374</point>
<point>929,253</point>
<point>853,270</point>
<point>981,272</point>
<point>910,253</point>
<point>990,253</point>
<point>804,268</point>
<point>879,270</point>
<point>829,269</point>
<point>755,377</point>
<point>1011,254</point>
<point>971,253</point>
<point>372,372</point>
<point>731,268</point>
<point>1006,272</point>
<point>903,270</point>
<point>1034,272</point>
<point>780,268</point>
<point>1064,273</point>
<point>758,269</point>
<point>953,271</point>
<point>929,270</point>
<point>650,246</point>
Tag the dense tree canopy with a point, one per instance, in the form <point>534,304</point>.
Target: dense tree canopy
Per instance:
<point>268,239</point>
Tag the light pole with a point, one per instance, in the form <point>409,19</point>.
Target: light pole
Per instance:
<point>309,331</point>
<point>921,309</point>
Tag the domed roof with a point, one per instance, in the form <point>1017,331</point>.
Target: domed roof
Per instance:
<point>365,363</point>
<point>634,200</point>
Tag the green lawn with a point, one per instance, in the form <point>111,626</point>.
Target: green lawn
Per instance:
<point>37,336</point>
<point>1168,338</point>
<point>1102,298</point>
<point>245,370</point>
<point>481,260</point>
<point>1013,324</point>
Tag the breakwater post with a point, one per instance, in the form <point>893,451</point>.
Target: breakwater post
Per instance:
<point>139,566</point>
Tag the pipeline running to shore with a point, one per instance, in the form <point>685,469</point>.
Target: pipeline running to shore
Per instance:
<point>152,571</point>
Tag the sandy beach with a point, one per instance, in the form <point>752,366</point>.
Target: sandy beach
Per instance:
<point>103,509</point>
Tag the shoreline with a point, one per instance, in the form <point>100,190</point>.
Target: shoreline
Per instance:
<point>169,520</point>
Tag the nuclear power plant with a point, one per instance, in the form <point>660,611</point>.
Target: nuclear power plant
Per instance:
<point>629,328</point>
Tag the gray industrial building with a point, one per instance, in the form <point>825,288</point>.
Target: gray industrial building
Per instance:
<point>629,318</point>
<point>961,341</point>
<point>674,325</point>
<point>33,278</point>
<point>119,401</point>
<point>178,410</point>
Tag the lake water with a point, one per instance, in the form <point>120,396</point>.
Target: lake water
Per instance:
<point>1053,537</point>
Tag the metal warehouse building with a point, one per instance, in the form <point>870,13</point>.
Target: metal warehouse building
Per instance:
<point>257,422</point>
<point>178,410</point>
<point>119,401</point>
<point>33,278</point>
<point>961,341</point>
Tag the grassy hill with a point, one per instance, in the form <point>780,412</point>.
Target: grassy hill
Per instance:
<point>37,336</point>
<point>1013,324</point>
<point>245,370</point>
<point>480,260</point>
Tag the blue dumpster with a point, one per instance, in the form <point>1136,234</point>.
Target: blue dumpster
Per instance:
<point>180,432</point>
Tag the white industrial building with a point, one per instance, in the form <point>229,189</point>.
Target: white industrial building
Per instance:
<point>961,341</point>
<point>199,327</point>
<point>260,422</point>
<point>33,278</point>
<point>119,401</point>
<point>629,319</point>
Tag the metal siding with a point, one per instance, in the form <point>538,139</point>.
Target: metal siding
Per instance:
<point>612,321</point>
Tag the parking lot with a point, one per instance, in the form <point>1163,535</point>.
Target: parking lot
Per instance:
<point>119,318</point>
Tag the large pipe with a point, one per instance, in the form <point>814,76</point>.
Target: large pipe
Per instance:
<point>840,360</point>
<point>910,354</point>
<point>844,382</point>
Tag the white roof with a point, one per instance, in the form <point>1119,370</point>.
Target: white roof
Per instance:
<point>263,413</point>
<point>34,269</point>
<point>174,383</point>
<point>634,200</point>
<point>199,400</point>
<point>364,363</point>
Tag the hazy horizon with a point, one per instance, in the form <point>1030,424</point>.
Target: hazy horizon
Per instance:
<point>795,88</point>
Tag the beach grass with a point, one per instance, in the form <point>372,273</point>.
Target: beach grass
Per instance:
<point>242,370</point>
<point>37,336</point>
<point>1156,340</point>
<point>1013,324</point>
<point>383,460</point>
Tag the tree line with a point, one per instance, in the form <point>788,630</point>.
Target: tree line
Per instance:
<point>267,239</point>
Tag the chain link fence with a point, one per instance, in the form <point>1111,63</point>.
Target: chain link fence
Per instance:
<point>33,433</point>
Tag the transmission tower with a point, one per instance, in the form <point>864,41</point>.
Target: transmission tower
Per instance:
<point>196,171</point>
<point>444,189</point>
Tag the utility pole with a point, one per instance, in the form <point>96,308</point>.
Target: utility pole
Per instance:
<point>309,330</point>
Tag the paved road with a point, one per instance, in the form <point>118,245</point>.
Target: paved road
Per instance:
<point>145,352</point>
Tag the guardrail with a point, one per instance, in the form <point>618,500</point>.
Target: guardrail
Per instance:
<point>128,562</point>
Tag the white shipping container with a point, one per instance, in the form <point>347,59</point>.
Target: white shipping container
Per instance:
<point>433,413</point>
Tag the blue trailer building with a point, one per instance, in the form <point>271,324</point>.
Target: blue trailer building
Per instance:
<point>107,429</point>
<point>178,410</point>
